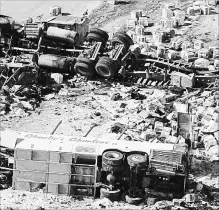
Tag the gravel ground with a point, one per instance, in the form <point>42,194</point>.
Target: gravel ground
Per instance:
<point>80,109</point>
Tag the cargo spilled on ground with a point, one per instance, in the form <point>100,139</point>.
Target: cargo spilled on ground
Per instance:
<point>126,114</point>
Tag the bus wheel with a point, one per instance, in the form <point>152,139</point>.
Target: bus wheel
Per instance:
<point>137,160</point>
<point>112,158</point>
<point>134,201</point>
<point>113,195</point>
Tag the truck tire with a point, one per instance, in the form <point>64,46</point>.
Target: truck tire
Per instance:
<point>120,38</point>
<point>86,61</point>
<point>84,69</point>
<point>96,37</point>
<point>114,168</point>
<point>137,160</point>
<point>126,36</point>
<point>133,201</point>
<point>106,67</point>
<point>113,195</point>
<point>102,33</point>
<point>112,158</point>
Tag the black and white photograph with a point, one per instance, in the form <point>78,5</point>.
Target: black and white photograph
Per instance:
<point>109,104</point>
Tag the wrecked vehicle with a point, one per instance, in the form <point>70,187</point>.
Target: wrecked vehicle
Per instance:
<point>86,61</point>
<point>60,31</point>
<point>153,163</point>
<point>8,36</point>
<point>49,45</point>
<point>106,63</point>
<point>109,66</point>
<point>66,30</point>
<point>64,44</point>
<point>89,167</point>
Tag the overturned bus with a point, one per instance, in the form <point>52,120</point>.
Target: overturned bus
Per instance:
<point>80,166</point>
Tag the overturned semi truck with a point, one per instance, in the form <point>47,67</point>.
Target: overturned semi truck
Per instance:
<point>109,168</point>
<point>109,59</point>
<point>66,29</point>
<point>58,46</point>
<point>62,31</point>
<point>54,44</point>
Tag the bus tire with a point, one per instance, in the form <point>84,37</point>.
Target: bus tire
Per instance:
<point>137,160</point>
<point>113,195</point>
<point>113,158</point>
<point>134,201</point>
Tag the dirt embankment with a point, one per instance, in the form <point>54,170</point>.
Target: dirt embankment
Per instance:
<point>82,106</point>
<point>107,15</point>
<point>23,9</point>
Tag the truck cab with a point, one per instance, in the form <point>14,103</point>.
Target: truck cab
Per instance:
<point>65,30</point>
<point>71,23</point>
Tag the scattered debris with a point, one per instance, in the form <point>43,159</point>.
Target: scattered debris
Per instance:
<point>168,131</point>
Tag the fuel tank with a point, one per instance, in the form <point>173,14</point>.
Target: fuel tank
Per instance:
<point>58,64</point>
<point>63,35</point>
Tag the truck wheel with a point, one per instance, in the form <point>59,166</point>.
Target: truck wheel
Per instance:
<point>121,39</point>
<point>114,168</point>
<point>113,195</point>
<point>112,158</point>
<point>126,36</point>
<point>106,67</point>
<point>84,69</point>
<point>86,61</point>
<point>96,37</point>
<point>134,201</point>
<point>102,33</point>
<point>137,160</point>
